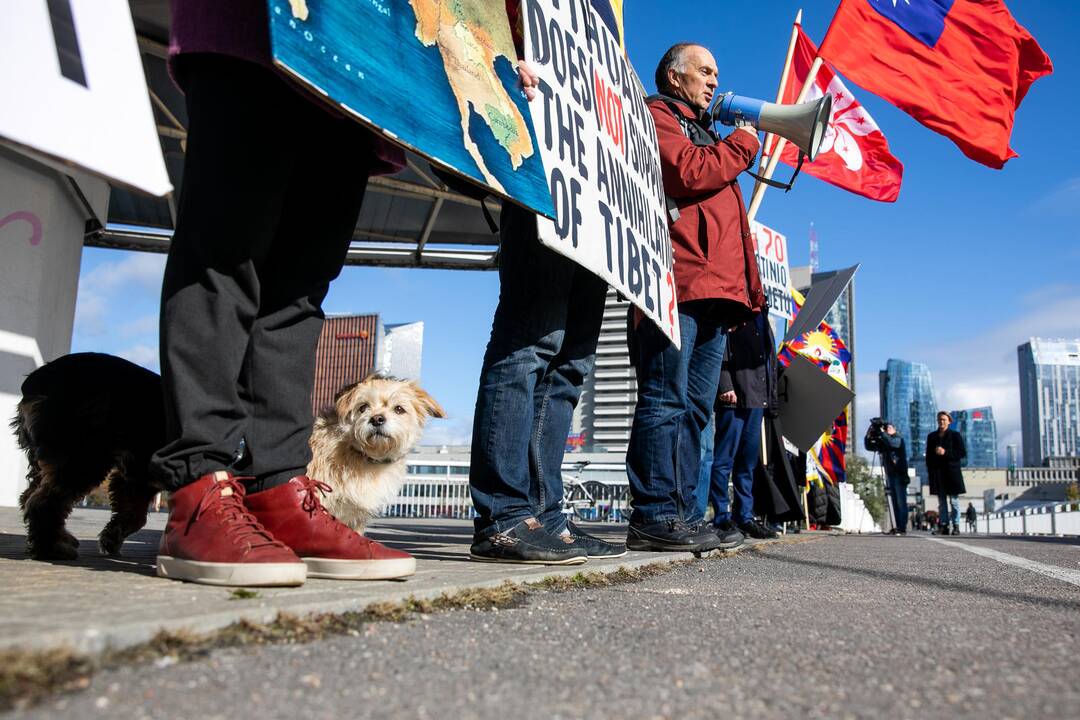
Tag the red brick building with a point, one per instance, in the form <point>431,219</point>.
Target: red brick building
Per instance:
<point>348,352</point>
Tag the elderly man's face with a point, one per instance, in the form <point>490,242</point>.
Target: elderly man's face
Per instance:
<point>697,81</point>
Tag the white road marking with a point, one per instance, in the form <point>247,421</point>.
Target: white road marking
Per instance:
<point>1065,575</point>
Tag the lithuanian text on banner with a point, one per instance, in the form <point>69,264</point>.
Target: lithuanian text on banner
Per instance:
<point>598,144</point>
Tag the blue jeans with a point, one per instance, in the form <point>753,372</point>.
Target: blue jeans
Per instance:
<point>676,393</point>
<point>949,509</point>
<point>542,346</point>
<point>898,490</point>
<point>707,447</point>
<point>737,447</point>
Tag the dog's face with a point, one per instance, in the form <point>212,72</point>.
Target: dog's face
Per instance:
<point>384,417</point>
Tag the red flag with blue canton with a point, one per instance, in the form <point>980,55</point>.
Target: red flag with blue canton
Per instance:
<point>960,67</point>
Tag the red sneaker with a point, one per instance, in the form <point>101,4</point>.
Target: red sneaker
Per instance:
<point>211,538</point>
<point>294,513</point>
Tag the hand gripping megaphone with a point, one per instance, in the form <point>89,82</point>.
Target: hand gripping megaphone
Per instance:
<point>803,124</point>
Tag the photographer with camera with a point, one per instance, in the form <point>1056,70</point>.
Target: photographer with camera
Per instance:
<point>882,438</point>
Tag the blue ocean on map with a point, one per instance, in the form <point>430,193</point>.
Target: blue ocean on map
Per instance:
<point>365,55</point>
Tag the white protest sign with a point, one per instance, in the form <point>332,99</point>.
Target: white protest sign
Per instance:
<point>598,143</point>
<point>73,90</point>
<point>771,250</point>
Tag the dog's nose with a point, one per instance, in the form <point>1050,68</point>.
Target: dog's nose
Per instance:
<point>378,420</point>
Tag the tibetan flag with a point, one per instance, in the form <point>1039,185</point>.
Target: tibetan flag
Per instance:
<point>854,153</point>
<point>960,67</point>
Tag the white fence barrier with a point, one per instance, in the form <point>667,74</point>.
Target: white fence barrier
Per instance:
<point>854,517</point>
<point>1055,519</point>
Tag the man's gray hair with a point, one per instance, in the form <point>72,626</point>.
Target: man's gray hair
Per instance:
<point>674,59</point>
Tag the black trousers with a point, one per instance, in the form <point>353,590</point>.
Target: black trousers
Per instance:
<point>272,189</point>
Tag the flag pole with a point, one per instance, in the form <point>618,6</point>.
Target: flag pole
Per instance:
<point>783,84</point>
<point>759,189</point>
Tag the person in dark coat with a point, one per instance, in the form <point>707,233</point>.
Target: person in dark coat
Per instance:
<point>747,388</point>
<point>944,451</point>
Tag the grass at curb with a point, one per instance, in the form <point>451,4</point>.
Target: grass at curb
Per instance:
<point>27,677</point>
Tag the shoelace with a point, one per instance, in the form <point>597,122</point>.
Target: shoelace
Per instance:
<point>240,524</point>
<point>311,503</point>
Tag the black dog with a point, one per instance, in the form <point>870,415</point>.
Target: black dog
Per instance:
<point>83,418</point>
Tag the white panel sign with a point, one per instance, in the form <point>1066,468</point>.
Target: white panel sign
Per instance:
<point>772,258</point>
<point>73,89</point>
<point>598,143</point>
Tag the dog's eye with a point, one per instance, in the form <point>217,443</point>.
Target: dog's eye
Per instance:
<point>363,408</point>
<point>399,410</point>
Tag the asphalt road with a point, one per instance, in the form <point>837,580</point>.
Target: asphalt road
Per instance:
<point>838,627</point>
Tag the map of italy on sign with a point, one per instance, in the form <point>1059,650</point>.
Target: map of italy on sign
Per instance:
<point>598,143</point>
<point>434,75</point>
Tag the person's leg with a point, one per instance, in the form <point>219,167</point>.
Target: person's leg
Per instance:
<point>702,384</point>
<point>746,458</point>
<point>708,442</point>
<point>560,388</point>
<point>230,205</point>
<point>318,220</point>
<point>658,418</point>
<point>900,505</point>
<point>954,512</point>
<point>943,513</point>
<point>728,429</point>
<point>527,334</point>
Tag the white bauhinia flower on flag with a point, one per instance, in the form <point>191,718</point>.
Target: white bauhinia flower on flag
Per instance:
<point>854,154</point>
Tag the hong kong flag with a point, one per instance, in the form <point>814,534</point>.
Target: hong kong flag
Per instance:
<point>960,67</point>
<point>854,153</point>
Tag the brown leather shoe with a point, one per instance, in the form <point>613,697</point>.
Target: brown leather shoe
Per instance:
<point>294,513</point>
<point>211,538</point>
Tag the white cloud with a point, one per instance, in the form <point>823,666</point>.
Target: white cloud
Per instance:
<point>139,269</point>
<point>452,431</point>
<point>1062,200</point>
<point>147,324</point>
<point>981,369</point>
<point>144,355</point>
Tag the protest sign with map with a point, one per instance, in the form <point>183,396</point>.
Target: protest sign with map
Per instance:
<point>434,75</point>
<point>598,143</point>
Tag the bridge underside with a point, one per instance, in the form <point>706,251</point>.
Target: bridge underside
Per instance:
<point>410,219</point>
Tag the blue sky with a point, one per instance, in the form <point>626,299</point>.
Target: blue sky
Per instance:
<point>966,265</point>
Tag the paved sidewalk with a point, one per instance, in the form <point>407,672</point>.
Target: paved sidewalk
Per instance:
<point>96,603</point>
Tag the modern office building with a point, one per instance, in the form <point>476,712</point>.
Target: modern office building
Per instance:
<point>351,347</point>
<point>906,397</point>
<point>1049,399</point>
<point>979,431</point>
<point>605,413</point>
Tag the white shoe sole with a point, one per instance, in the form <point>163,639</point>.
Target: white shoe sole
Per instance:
<point>232,574</point>
<point>579,560</point>
<point>360,569</point>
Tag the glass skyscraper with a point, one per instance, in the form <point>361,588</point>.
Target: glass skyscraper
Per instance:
<point>980,436</point>
<point>1049,399</point>
<point>907,401</point>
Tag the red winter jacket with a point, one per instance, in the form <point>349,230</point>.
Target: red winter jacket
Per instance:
<point>714,251</point>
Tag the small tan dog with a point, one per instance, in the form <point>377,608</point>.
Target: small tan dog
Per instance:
<point>359,446</point>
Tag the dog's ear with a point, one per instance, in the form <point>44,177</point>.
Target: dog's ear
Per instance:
<point>343,399</point>
<point>425,404</point>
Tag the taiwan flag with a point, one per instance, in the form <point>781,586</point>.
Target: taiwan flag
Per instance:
<point>854,153</point>
<point>960,67</point>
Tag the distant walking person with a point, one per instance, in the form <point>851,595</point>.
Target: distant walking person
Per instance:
<point>971,515</point>
<point>944,451</point>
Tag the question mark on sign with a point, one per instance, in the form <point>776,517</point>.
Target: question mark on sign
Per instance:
<point>671,305</point>
<point>30,218</point>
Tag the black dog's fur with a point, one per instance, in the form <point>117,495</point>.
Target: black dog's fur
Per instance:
<point>83,418</point>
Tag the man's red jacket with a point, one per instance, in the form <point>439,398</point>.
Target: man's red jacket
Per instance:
<point>714,251</point>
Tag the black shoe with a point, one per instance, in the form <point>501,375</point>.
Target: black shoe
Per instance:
<point>729,536</point>
<point>528,542</point>
<point>756,530</point>
<point>594,546</point>
<point>671,536</point>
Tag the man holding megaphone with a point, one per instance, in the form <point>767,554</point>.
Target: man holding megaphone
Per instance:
<point>717,284</point>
